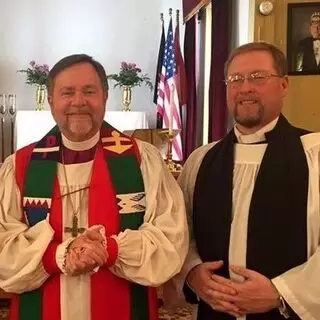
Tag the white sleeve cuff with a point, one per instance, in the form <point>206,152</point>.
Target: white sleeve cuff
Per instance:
<point>61,253</point>
<point>289,297</point>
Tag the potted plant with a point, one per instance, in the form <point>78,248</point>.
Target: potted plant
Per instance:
<point>37,75</point>
<point>128,77</point>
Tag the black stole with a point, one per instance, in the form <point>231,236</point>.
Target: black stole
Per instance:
<point>277,224</point>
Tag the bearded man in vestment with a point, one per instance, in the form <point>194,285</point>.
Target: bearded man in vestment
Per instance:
<point>253,202</point>
<point>91,220</point>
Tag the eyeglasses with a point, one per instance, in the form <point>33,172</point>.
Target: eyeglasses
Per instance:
<point>255,78</point>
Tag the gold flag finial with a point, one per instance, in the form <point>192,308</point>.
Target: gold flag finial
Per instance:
<point>177,13</point>
<point>161,17</point>
<point>170,12</point>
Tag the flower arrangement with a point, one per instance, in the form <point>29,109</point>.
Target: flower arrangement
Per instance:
<point>37,74</point>
<point>130,75</point>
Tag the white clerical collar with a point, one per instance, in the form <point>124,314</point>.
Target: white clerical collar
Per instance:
<point>258,136</point>
<point>82,145</point>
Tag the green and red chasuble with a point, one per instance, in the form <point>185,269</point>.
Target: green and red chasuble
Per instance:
<point>116,201</point>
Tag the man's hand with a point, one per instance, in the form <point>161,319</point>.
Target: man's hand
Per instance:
<point>76,266</point>
<point>85,253</point>
<point>94,235</point>
<point>256,294</point>
<point>217,295</point>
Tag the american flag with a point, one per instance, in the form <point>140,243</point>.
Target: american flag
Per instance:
<point>168,101</point>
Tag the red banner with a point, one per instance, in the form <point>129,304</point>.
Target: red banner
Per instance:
<point>191,7</point>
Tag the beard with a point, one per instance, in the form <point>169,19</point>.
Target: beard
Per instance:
<point>249,116</point>
<point>80,126</point>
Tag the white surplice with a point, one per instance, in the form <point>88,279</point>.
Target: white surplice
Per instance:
<point>148,256</point>
<point>299,286</point>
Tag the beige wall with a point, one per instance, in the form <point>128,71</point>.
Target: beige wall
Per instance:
<point>302,106</point>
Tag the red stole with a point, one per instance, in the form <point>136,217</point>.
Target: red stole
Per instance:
<point>110,295</point>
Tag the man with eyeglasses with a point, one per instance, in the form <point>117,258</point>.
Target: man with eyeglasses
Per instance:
<point>308,56</point>
<point>253,202</point>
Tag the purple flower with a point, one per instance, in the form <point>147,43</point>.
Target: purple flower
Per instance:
<point>124,65</point>
<point>32,63</point>
<point>132,65</point>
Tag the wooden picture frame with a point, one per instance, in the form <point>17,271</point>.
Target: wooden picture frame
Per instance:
<point>303,38</point>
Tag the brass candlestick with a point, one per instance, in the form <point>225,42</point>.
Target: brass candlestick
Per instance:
<point>169,136</point>
<point>12,112</point>
<point>3,113</point>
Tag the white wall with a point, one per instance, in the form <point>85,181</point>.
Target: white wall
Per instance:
<point>109,30</point>
<point>245,17</point>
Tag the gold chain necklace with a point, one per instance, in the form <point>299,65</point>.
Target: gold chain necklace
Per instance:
<point>74,230</point>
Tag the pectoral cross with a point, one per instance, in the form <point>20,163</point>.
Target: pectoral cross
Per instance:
<point>75,230</point>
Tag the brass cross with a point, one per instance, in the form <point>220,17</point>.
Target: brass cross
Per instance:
<point>116,141</point>
<point>75,230</point>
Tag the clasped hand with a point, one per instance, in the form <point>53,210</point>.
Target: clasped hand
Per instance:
<point>85,253</point>
<point>254,294</point>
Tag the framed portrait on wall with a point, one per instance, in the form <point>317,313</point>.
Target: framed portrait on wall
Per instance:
<point>303,38</point>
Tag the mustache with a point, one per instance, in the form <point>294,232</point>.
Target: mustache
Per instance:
<point>78,112</point>
<point>245,98</point>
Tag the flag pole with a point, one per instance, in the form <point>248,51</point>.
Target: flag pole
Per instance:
<point>180,79</point>
<point>156,101</point>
